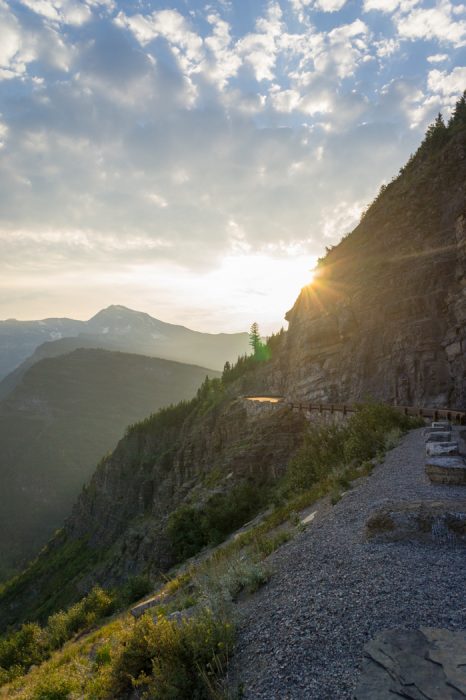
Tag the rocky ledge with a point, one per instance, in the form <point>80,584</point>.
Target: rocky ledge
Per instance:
<point>418,664</point>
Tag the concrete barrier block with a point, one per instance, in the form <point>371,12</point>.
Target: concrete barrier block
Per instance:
<point>441,449</point>
<point>446,470</point>
<point>430,430</point>
<point>440,436</point>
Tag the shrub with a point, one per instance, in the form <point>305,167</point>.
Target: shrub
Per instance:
<point>220,580</point>
<point>321,453</point>
<point>186,532</point>
<point>190,529</point>
<point>392,438</point>
<point>135,588</point>
<point>54,685</point>
<point>224,513</point>
<point>373,429</point>
<point>64,624</point>
<point>367,430</point>
<point>171,660</point>
<point>103,655</point>
<point>266,545</point>
<point>20,650</point>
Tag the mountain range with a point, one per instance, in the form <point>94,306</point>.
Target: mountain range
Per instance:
<point>114,328</point>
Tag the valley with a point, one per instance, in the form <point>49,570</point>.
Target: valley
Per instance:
<point>65,414</point>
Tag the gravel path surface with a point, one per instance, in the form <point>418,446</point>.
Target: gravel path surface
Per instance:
<point>302,635</point>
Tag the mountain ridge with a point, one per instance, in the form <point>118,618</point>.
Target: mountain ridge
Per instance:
<point>138,332</point>
<point>64,415</point>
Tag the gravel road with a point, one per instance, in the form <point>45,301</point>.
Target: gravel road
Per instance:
<point>302,635</point>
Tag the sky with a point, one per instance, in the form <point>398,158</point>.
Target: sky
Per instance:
<point>194,159</point>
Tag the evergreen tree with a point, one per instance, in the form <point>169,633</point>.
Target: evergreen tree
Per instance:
<point>458,117</point>
<point>255,338</point>
<point>436,134</point>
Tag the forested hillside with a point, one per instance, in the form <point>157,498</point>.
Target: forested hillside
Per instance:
<point>66,413</point>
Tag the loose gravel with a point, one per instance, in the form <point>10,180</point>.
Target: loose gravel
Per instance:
<point>302,635</point>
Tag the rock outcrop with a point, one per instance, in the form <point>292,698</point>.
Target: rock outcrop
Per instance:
<point>150,474</point>
<point>386,314</point>
<point>417,664</point>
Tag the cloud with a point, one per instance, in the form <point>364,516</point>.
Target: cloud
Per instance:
<point>60,10</point>
<point>416,22</point>
<point>23,42</point>
<point>223,62</point>
<point>260,49</point>
<point>72,12</point>
<point>170,25</point>
<point>438,58</point>
<point>14,53</point>
<point>330,5</point>
<point>448,85</point>
<point>324,5</point>
<point>387,6</point>
<point>438,22</point>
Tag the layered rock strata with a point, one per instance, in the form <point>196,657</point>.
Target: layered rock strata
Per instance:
<point>386,314</point>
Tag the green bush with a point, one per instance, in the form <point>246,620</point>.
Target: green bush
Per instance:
<point>54,685</point>
<point>321,453</point>
<point>328,449</point>
<point>266,545</point>
<point>186,532</point>
<point>225,512</point>
<point>367,430</point>
<point>20,650</point>
<point>135,588</point>
<point>220,580</point>
<point>103,655</point>
<point>170,660</point>
<point>64,624</point>
<point>32,644</point>
<point>190,529</point>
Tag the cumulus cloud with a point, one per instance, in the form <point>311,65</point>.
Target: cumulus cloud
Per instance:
<point>448,85</point>
<point>415,21</point>
<point>15,52</point>
<point>259,49</point>
<point>71,12</point>
<point>438,58</point>
<point>438,22</point>
<point>300,6</point>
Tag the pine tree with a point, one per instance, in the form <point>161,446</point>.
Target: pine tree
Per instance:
<point>255,338</point>
<point>458,117</point>
<point>436,134</point>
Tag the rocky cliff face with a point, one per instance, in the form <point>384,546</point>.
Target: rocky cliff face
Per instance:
<point>386,314</point>
<point>153,471</point>
<point>118,526</point>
